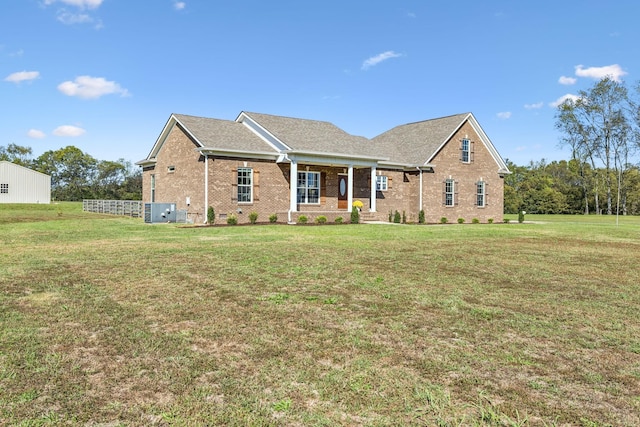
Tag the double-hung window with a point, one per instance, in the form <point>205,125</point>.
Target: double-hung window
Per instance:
<point>308,187</point>
<point>449,192</point>
<point>465,155</point>
<point>381,183</point>
<point>245,185</point>
<point>480,194</point>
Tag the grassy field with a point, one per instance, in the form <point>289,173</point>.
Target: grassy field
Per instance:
<point>107,321</point>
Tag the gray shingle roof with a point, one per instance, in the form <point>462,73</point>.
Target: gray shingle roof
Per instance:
<point>312,135</point>
<point>415,143</point>
<point>223,134</point>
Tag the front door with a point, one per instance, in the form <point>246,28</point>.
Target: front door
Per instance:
<point>342,192</point>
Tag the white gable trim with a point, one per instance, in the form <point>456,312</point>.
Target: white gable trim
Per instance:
<point>262,133</point>
<point>168,127</point>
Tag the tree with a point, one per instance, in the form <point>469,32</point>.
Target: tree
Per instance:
<point>16,154</point>
<point>72,172</point>
<point>598,128</point>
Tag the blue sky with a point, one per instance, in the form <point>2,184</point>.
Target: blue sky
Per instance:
<point>105,75</point>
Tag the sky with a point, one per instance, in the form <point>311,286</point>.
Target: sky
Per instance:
<point>105,75</point>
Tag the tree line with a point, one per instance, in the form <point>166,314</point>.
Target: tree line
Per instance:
<point>76,175</point>
<point>601,127</point>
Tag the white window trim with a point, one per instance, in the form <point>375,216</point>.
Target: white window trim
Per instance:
<point>306,187</point>
<point>250,185</point>
<point>382,183</point>
<point>452,192</point>
<point>482,184</point>
<point>467,151</point>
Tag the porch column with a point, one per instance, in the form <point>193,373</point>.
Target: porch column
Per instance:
<point>420,198</point>
<point>293,188</point>
<point>206,187</point>
<point>373,189</point>
<point>350,188</point>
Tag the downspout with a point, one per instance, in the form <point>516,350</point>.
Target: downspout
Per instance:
<point>206,187</point>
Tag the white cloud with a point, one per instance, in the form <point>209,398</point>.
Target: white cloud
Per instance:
<point>88,87</point>
<point>36,134</point>
<point>375,60</point>
<point>615,72</point>
<point>82,4</point>
<point>504,115</point>
<point>559,101</point>
<point>535,106</point>
<point>179,5</point>
<point>564,80</point>
<point>69,18</point>
<point>68,130</point>
<point>22,76</point>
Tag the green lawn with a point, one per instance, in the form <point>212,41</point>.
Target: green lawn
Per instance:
<point>109,321</point>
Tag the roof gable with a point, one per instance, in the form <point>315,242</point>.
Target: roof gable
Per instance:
<point>309,135</point>
<point>418,143</point>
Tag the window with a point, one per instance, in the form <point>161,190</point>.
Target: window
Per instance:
<point>465,155</point>
<point>449,192</point>
<point>480,194</point>
<point>308,187</point>
<point>245,181</point>
<point>153,188</point>
<point>4,188</point>
<point>171,169</point>
<point>381,183</point>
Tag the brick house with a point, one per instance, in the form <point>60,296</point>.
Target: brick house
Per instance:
<point>446,167</point>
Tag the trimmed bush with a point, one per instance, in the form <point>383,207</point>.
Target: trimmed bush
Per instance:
<point>443,220</point>
<point>475,221</point>
<point>232,219</point>
<point>211,215</point>
<point>273,218</point>
<point>521,217</point>
<point>396,217</point>
<point>302,219</point>
<point>421,217</point>
<point>404,217</point>
<point>339,220</point>
<point>490,220</point>
<point>253,217</point>
<point>460,220</point>
<point>321,219</point>
<point>355,215</point>
<point>390,216</point>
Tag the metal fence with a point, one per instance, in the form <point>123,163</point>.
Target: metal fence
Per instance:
<point>132,208</point>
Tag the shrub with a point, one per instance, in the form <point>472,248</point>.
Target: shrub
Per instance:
<point>253,217</point>
<point>396,217</point>
<point>421,217</point>
<point>211,215</point>
<point>232,219</point>
<point>475,221</point>
<point>443,220</point>
<point>355,215</point>
<point>273,218</point>
<point>321,219</point>
<point>302,219</point>
<point>404,217</point>
<point>460,220</point>
<point>490,220</point>
<point>506,220</point>
<point>521,216</point>
<point>339,220</point>
<point>390,216</point>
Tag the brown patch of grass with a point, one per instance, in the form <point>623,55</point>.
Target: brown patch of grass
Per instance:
<point>109,321</point>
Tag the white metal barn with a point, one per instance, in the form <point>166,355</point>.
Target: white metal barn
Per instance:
<point>23,185</point>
